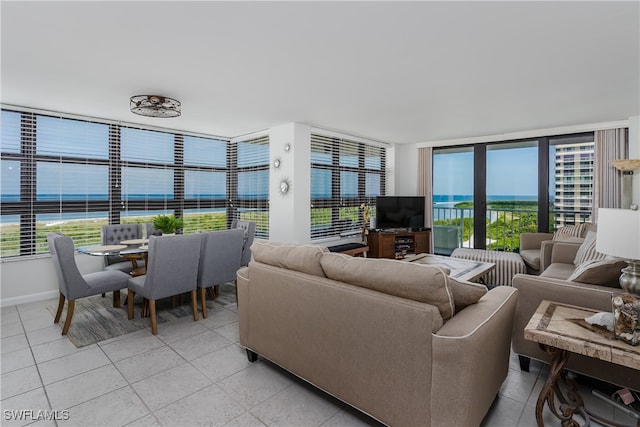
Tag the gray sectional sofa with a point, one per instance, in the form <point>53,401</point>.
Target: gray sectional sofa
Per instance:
<point>401,342</point>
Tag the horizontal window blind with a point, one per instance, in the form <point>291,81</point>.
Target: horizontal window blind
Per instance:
<point>72,176</point>
<point>344,175</point>
<point>248,186</point>
<point>60,182</point>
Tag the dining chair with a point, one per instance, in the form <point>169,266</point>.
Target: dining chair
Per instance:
<point>172,269</point>
<point>73,285</point>
<point>249,228</point>
<point>113,234</point>
<point>220,259</point>
<point>150,230</point>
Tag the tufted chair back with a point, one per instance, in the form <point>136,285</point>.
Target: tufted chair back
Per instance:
<point>150,230</point>
<point>113,234</point>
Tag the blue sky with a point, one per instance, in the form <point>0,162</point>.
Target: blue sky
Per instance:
<point>511,171</point>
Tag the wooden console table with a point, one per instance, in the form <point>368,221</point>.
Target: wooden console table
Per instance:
<point>386,244</point>
<point>560,329</point>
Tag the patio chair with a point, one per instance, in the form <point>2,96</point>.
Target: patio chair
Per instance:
<point>73,285</point>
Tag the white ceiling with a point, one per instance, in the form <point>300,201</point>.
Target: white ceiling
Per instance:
<point>390,71</point>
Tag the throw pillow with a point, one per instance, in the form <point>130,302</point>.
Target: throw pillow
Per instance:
<point>422,283</point>
<point>293,256</point>
<point>568,238</point>
<point>465,293</point>
<point>604,272</point>
<point>587,250</point>
<point>569,230</point>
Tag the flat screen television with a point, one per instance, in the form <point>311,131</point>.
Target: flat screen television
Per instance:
<point>399,212</point>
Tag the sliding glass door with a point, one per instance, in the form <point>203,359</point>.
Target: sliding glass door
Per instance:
<point>486,195</point>
<point>453,172</point>
<point>511,193</point>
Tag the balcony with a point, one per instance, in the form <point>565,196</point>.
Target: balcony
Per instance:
<point>453,227</point>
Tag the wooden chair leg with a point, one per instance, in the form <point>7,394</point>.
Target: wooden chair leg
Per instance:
<point>130,296</point>
<point>67,323</point>
<point>194,304</point>
<point>116,299</point>
<point>145,307</point>
<point>60,307</point>
<point>203,300</point>
<point>154,321</point>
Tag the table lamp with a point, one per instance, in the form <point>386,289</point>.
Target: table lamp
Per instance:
<point>619,235</point>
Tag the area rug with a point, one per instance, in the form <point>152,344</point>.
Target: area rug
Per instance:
<point>95,319</point>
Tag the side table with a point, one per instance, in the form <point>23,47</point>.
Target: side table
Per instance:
<point>560,329</point>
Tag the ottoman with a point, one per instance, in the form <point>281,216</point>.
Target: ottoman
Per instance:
<point>508,264</point>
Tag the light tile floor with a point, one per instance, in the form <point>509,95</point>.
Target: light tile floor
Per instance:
<point>191,374</point>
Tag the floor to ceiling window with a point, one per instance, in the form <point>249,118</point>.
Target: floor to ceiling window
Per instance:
<point>452,198</point>
<point>511,193</point>
<point>344,175</point>
<point>69,175</point>
<point>486,195</point>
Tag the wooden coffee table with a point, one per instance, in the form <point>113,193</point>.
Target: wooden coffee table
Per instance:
<point>460,269</point>
<point>560,329</point>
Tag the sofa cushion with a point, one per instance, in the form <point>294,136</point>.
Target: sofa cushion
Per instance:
<point>422,283</point>
<point>605,272</point>
<point>465,293</point>
<point>531,257</point>
<point>563,237</point>
<point>587,250</point>
<point>570,231</point>
<point>558,271</point>
<point>292,256</point>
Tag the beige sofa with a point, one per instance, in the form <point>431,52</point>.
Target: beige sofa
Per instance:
<point>367,336</point>
<point>554,284</point>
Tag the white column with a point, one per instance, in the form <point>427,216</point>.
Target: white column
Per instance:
<point>290,212</point>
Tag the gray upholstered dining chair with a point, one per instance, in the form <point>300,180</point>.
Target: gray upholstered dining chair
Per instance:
<point>73,285</point>
<point>150,230</point>
<point>220,259</point>
<point>172,269</point>
<point>113,234</point>
<point>249,228</point>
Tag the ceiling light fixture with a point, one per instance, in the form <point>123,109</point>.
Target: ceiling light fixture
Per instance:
<point>155,106</point>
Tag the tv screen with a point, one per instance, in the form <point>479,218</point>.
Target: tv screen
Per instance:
<point>399,212</point>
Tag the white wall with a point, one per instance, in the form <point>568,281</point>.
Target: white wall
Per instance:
<point>406,170</point>
<point>284,226</point>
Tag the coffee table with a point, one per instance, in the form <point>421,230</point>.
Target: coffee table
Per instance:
<point>560,329</point>
<point>460,269</point>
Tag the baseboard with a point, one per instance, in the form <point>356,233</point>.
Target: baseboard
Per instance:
<point>8,302</point>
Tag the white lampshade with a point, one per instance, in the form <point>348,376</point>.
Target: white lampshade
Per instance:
<point>619,233</point>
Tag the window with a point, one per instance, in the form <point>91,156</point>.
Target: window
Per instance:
<point>72,176</point>
<point>248,186</point>
<point>344,175</point>
<point>527,185</point>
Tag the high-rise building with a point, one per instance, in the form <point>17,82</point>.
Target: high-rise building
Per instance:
<point>573,183</point>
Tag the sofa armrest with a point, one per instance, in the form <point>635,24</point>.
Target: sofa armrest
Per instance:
<point>564,253</point>
<point>473,345</point>
<point>533,240</point>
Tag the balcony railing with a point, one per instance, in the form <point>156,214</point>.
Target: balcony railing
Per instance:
<point>453,227</point>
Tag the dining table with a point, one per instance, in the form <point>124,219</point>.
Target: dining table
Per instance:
<point>133,250</point>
